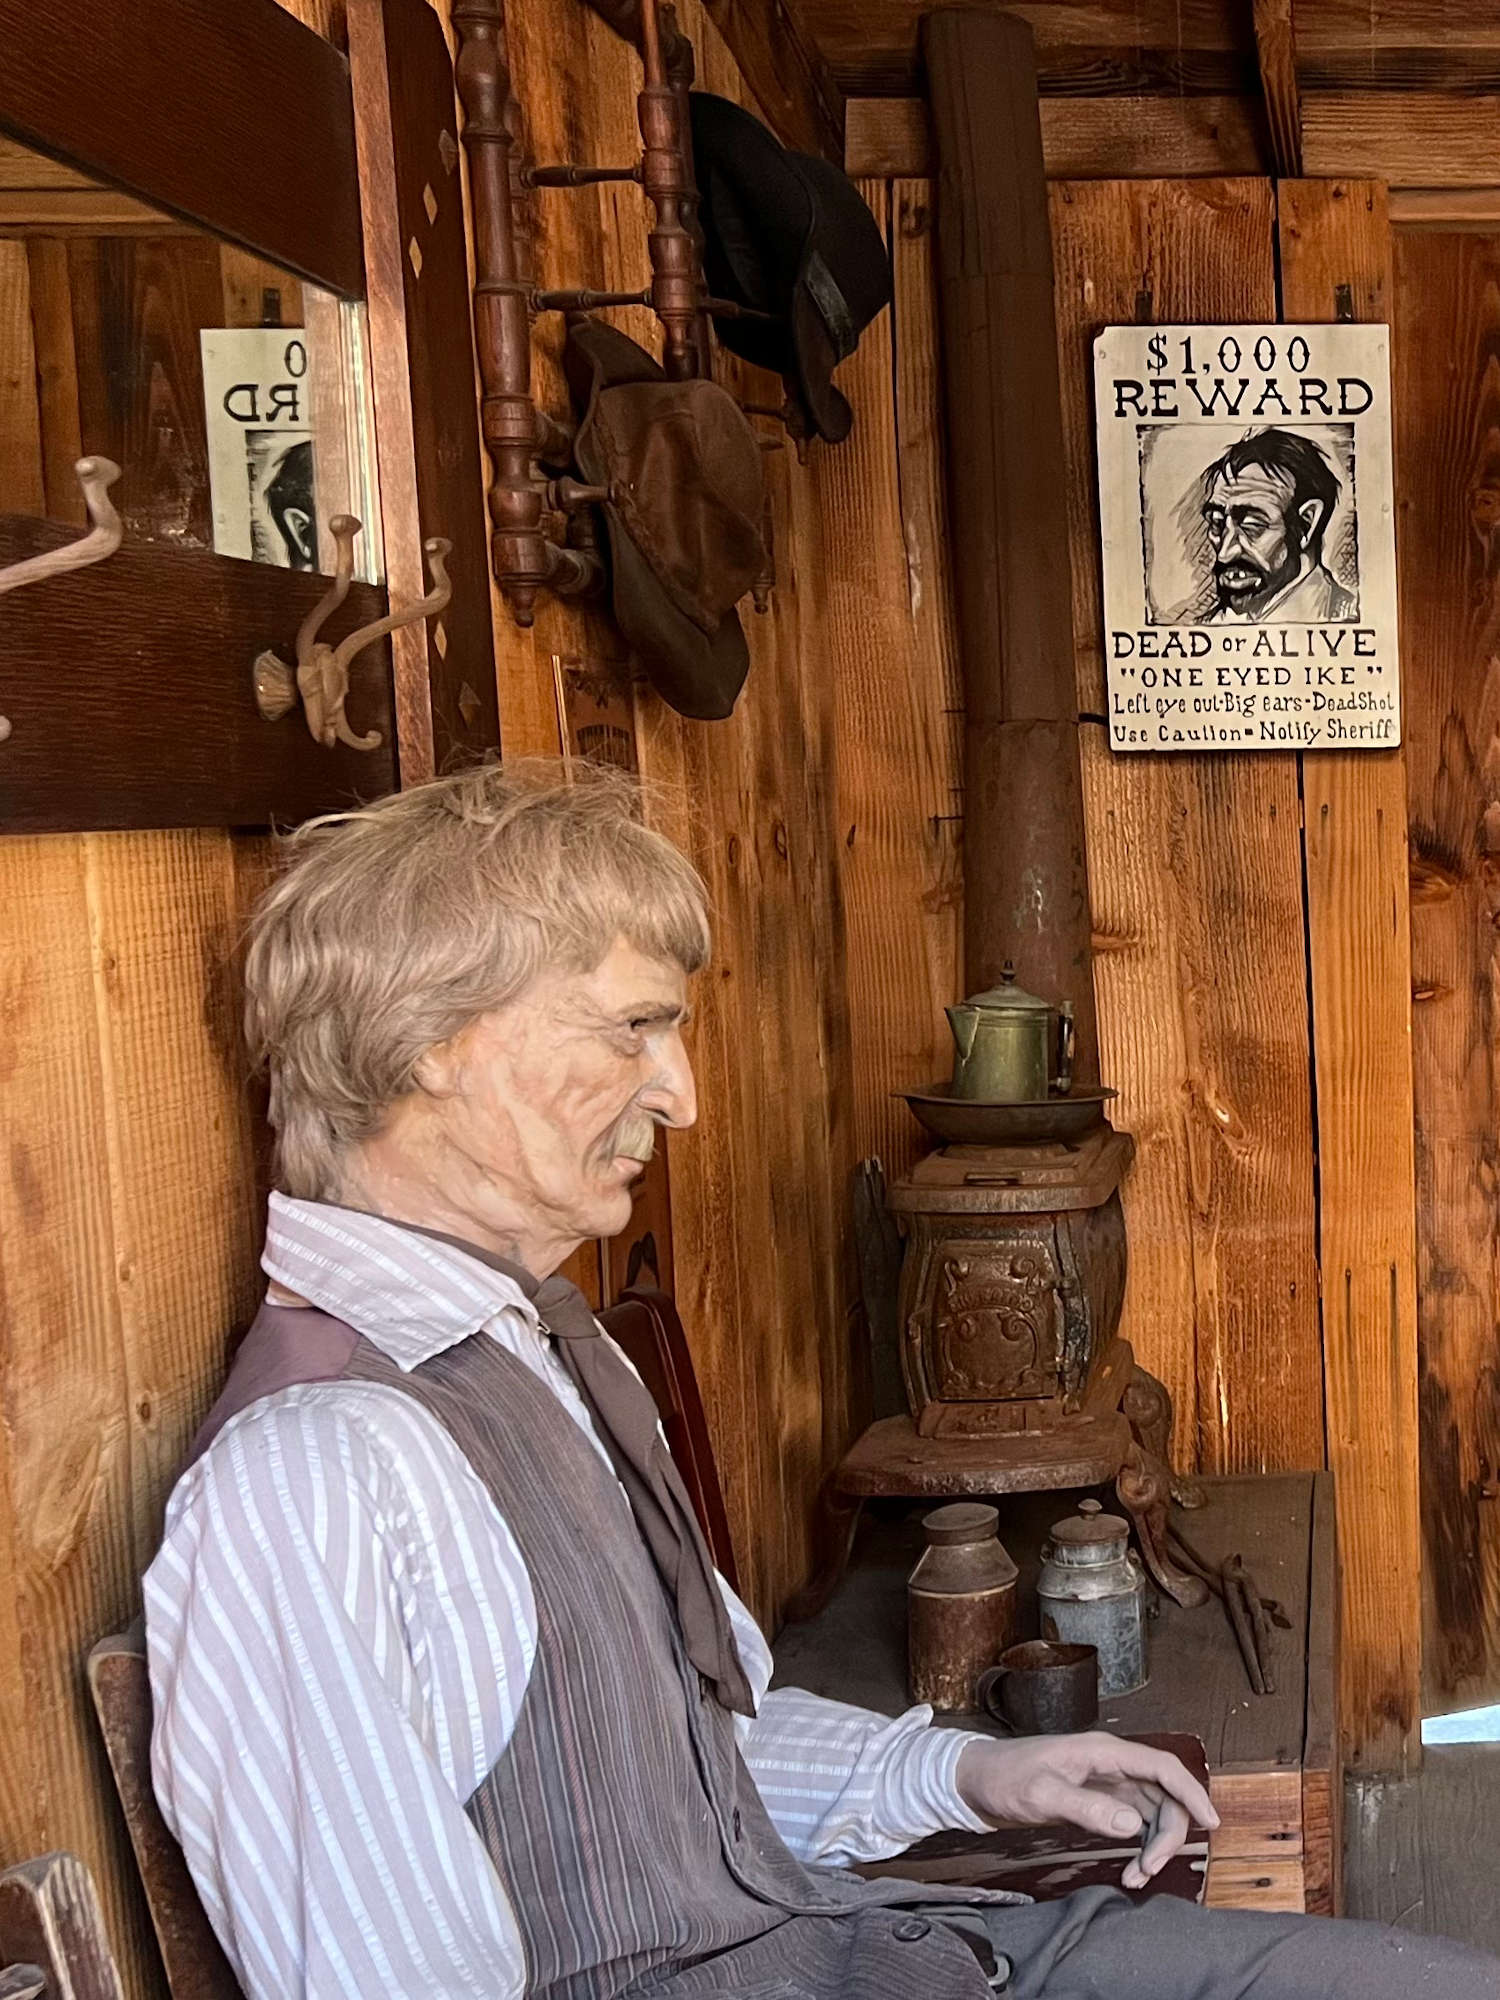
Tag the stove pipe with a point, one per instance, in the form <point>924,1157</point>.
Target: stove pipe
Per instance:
<point>1025,861</point>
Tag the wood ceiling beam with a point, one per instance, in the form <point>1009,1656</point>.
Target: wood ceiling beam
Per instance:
<point>777,57</point>
<point>1276,48</point>
<point>784,67</point>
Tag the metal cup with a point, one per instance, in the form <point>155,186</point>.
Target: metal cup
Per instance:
<point>1042,1688</point>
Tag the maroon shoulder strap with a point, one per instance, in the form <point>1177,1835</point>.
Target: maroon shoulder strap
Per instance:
<point>285,1347</point>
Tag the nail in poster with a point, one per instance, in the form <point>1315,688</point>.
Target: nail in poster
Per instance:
<point>1248,531</point>
<point>260,450</point>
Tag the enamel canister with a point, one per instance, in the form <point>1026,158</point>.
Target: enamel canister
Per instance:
<point>1092,1592</point>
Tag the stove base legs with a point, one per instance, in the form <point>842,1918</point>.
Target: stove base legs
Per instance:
<point>1143,1489</point>
<point>1148,1409</point>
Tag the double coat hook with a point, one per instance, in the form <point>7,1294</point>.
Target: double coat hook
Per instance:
<point>321,675</point>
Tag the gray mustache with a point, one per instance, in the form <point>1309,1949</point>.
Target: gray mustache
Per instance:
<point>635,1136</point>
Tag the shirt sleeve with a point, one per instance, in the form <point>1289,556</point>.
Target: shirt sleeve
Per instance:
<point>844,1784</point>
<point>298,1753</point>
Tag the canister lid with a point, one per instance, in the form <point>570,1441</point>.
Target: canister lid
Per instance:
<point>1090,1525</point>
<point>961,1521</point>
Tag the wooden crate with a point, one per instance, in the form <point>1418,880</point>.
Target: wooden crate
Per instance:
<point>1273,1759</point>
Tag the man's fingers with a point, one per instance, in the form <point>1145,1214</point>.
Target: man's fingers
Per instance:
<point>1096,1812</point>
<point>1156,1767</point>
<point>1168,1835</point>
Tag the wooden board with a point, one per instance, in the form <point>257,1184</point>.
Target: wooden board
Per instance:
<point>894,669</point>
<point>1335,243</point>
<point>1409,138</point>
<point>182,744</point>
<point>1447,420</point>
<point>420,334</point>
<point>1422,1851</point>
<point>1098,46</point>
<point>1106,138</point>
<point>1195,865</point>
<point>279,97</point>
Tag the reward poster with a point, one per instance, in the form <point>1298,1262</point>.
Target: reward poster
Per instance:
<point>1248,532</point>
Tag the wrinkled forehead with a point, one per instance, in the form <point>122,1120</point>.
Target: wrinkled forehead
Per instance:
<point>1256,486</point>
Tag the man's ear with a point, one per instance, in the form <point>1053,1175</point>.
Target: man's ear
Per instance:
<point>436,1072</point>
<point>1310,514</point>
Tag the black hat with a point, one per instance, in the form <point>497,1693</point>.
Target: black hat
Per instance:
<point>786,234</point>
<point>684,516</point>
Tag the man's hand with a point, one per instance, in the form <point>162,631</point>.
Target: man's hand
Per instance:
<point>1102,1783</point>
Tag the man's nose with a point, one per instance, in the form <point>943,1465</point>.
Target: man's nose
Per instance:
<point>672,1094</point>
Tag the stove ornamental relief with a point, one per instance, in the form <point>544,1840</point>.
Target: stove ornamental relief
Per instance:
<point>995,1331</point>
<point>1248,533</point>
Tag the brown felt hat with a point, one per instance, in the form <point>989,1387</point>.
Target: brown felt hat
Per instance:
<point>684,515</point>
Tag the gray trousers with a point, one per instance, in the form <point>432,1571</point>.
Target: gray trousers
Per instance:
<point>1099,1945</point>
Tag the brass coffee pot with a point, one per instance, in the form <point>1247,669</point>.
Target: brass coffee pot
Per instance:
<point>1012,1047</point>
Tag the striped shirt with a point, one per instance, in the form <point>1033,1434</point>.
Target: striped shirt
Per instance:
<point>341,1628</point>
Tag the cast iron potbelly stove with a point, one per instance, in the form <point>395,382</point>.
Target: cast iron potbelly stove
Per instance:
<point>1016,1378</point>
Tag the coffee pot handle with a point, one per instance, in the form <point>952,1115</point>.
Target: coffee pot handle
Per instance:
<point>1062,1083</point>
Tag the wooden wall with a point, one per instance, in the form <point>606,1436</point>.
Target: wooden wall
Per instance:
<point>128,1206</point>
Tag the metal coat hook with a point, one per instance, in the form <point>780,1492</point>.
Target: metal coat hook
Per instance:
<point>95,477</point>
<point>321,675</point>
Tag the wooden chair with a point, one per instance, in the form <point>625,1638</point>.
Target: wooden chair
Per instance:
<point>646,1326</point>
<point>52,1933</point>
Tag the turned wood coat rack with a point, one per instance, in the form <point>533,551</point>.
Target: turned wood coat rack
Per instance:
<point>521,438</point>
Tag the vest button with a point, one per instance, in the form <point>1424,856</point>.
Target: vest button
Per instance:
<point>738,1825</point>
<point>910,1929</point>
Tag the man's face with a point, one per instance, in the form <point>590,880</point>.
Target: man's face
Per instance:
<point>549,1107</point>
<point>1256,535</point>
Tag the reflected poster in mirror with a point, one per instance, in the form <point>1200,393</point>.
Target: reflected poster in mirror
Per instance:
<point>261,467</point>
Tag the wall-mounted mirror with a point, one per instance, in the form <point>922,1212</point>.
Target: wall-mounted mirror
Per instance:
<point>234,396</point>
<point>233,264</point>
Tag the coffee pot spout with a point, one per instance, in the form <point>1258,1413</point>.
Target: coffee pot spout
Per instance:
<point>964,1022</point>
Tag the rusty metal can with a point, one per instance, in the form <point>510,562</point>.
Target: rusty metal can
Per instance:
<point>961,1605</point>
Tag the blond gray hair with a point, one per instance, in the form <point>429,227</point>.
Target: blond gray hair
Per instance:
<point>395,926</point>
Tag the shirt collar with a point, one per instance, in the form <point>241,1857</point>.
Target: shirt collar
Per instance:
<point>412,1297</point>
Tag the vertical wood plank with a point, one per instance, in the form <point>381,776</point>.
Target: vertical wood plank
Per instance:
<point>21,485</point>
<point>161,911</point>
<point>138,306</point>
<point>1196,883</point>
<point>893,661</point>
<point>64,1374</point>
<point>56,378</point>
<point>1447,324</point>
<point>1336,234</point>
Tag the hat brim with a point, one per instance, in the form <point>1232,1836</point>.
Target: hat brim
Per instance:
<point>698,674</point>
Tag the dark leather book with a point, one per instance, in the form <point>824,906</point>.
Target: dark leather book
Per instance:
<point>1046,1862</point>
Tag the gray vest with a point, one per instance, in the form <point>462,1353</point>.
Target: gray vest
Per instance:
<point>628,1834</point>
